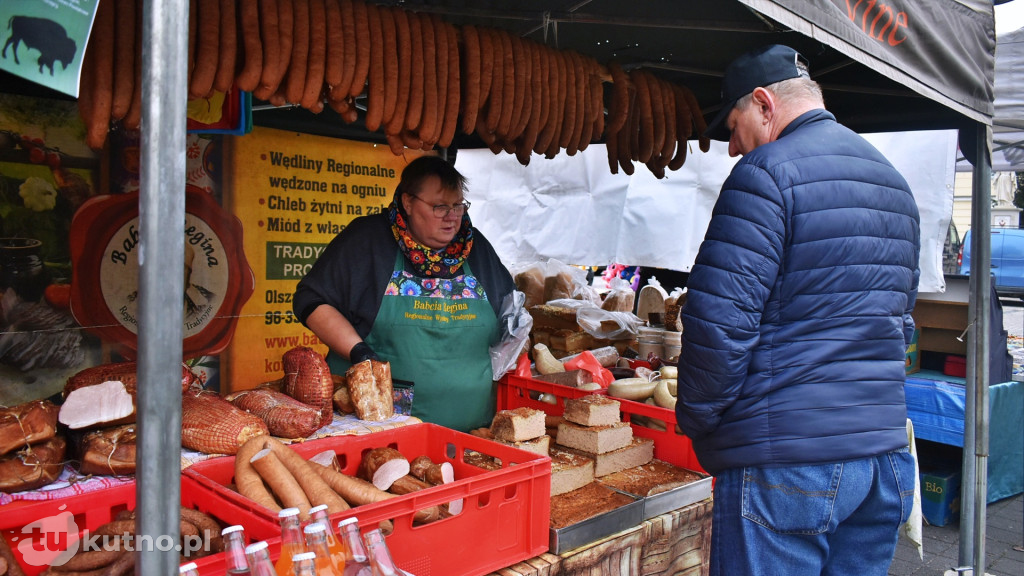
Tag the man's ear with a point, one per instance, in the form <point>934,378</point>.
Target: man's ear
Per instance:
<point>764,100</point>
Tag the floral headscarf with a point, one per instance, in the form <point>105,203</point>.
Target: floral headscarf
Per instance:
<point>440,263</point>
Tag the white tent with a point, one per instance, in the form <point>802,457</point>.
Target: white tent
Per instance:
<point>575,210</point>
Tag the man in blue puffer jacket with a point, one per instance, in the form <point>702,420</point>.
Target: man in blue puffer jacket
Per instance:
<point>796,325</point>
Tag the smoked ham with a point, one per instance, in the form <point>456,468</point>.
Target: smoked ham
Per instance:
<point>212,425</point>
<point>307,378</point>
<point>285,416</point>
<point>26,424</point>
<point>109,452</point>
<point>104,395</point>
<point>33,466</point>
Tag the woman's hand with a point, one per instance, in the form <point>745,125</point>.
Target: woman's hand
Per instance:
<point>361,352</point>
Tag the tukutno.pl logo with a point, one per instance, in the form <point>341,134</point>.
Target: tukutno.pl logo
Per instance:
<point>51,541</point>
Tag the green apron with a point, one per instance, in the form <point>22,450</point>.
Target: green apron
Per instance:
<point>438,342</point>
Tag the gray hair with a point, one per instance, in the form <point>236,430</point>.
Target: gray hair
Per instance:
<point>799,88</point>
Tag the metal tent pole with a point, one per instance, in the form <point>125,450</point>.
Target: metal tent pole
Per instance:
<point>974,487</point>
<point>161,284</point>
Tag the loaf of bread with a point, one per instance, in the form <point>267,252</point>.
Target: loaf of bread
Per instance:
<point>108,452</point>
<point>619,301</point>
<point>592,410</point>
<point>638,452</point>
<point>517,425</point>
<point>650,478</point>
<point>569,471</point>
<point>531,283</point>
<point>558,286</point>
<point>586,502</point>
<point>33,466</point>
<point>539,445</point>
<point>27,423</point>
<point>369,386</point>
<point>595,439</point>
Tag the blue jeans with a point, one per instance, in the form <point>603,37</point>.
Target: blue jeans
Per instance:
<point>826,519</point>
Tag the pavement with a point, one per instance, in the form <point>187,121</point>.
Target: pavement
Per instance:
<point>1004,545</point>
<point>1004,520</point>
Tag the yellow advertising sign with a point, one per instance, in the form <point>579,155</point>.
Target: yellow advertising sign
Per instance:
<point>293,193</point>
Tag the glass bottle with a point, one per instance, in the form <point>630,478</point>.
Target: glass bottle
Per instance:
<point>189,569</point>
<point>318,514</point>
<point>316,542</point>
<point>380,556</point>
<point>357,563</point>
<point>291,540</point>
<point>234,549</point>
<point>258,556</point>
<point>304,564</point>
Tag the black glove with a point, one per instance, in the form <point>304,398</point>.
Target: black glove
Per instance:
<point>361,352</point>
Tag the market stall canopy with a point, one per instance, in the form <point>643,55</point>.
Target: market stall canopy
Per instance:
<point>1008,122</point>
<point>885,66</point>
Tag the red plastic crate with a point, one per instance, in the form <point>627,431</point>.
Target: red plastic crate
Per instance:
<point>505,512</point>
<point>90,510</point>
<point>676,449</point>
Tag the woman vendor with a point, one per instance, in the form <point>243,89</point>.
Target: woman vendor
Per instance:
<point>419,287</point>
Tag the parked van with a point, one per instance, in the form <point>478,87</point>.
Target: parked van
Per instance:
<point>1007,260</point>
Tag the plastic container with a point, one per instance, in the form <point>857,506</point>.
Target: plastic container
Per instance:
<point>90,510</point>
<point>504,518</point>
<point>955,365</point>
<point>677,449</point>
<point>650,341</point>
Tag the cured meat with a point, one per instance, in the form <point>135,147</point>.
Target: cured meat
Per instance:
<point>109,452</point>
<point>369,385</point>
<point>124,372</point>
<point>212,425</point>
<point>26,424</point>
<point>308,380</point>
<point>104,395</point>
<point>33,466</point>
<point>285,416</point>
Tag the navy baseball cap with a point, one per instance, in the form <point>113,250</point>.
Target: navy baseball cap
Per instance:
<point>760,67</point>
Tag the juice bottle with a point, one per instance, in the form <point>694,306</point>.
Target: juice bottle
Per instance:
<point>304,564</point>
<point>189,569</point>
<point>335,546</point>
<point>259,559</point>
<point>291,540</point>
<point>380,556</point>
<point>357,562</point>
<point>234,549</point>
<point>316,542</point>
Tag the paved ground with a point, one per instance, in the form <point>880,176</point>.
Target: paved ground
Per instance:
<point>1004,537</point>
<point>1004,534</point>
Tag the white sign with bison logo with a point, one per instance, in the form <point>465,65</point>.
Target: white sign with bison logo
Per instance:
<point>44,40</point>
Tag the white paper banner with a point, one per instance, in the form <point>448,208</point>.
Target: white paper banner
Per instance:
<point>574,209</point>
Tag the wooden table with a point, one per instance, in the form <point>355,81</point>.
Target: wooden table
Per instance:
<point>677,542</point>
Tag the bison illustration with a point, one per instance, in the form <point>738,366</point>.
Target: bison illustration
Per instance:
<point>44,35</point>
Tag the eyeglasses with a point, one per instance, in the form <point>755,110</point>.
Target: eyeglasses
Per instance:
<point>442,210</point>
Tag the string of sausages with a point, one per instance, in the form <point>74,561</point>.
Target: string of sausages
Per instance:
<point>422,78</point>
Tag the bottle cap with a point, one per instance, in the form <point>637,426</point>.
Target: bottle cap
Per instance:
<point>313,528</point>
<point>186,567</point>
<point>317,509</point>
<point>347,521</point>
<point>304,556</point>
<point>255,547</point>
<point>288,512</point>
<point>230,529</point>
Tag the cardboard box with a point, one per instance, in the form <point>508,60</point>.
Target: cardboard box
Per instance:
<point>940,496</point>
<point>914,354</point>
